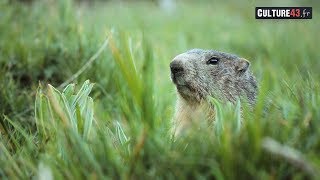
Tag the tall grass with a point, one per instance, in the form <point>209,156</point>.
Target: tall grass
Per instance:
<point>119,126</point>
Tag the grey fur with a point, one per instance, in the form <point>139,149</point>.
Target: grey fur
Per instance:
<point>195,79</point>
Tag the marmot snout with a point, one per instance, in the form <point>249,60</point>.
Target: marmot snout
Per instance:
<point>199,73</point>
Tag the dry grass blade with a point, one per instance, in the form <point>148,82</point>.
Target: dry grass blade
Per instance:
<point>88,63</point>
<point>56,105</point>
<point>293,156</point>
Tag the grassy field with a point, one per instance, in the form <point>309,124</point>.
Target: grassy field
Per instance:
<point>116,125</point>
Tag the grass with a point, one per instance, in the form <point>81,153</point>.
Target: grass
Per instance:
<point>117,125</point>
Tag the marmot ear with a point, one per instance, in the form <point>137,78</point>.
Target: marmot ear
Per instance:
<point>242,65</point>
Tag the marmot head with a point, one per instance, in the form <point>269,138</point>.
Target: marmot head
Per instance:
<point>200,73</point>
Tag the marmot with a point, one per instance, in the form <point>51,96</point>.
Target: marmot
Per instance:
<point>200,73</point>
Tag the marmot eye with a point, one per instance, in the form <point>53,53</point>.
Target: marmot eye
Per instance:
<point>213,61</point>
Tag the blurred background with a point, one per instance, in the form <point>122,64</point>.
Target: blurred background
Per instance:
<point>48,41</point>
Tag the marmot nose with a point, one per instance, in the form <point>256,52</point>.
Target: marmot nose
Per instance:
<point>176,67</point>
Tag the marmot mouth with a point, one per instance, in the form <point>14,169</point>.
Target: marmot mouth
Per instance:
<point>179,86</point>
<point>178,80</point>
<point>186,91</point>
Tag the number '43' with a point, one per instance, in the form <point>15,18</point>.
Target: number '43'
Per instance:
<point>295,13</point>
